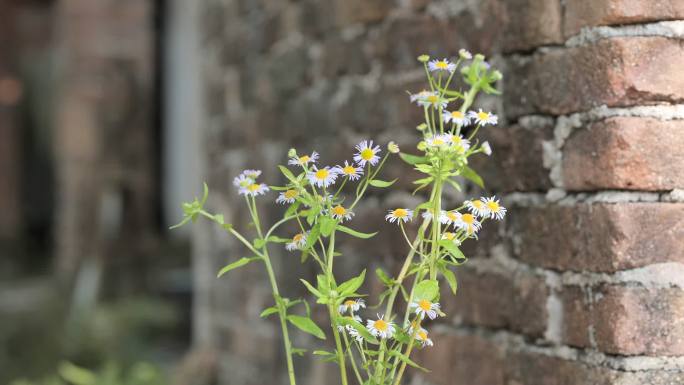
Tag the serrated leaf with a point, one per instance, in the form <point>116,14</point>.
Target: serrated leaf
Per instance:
<point>355,233</point>
<point>268,311</point>
<point>381,183</point>
<point>471,175</point>
<point>428,290</point>
<point>239,263</point>
<point>352,285</point>
<point>305,324</point>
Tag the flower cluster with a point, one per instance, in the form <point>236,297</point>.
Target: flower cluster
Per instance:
<point>247,185</point>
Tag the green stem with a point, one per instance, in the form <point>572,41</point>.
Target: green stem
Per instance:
<point>338,345</point>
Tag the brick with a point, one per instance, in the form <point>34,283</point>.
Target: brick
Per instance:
<point>599,237</point>
<point>626,154</point>
<point>537,369</point>
<point>516,163</point>
<point>532,23</point>
<point>589,13</point>
<point>625,320</point>
<point>616,72</point>
<point>342,57</point>
<point>462,359</point>
<point>361,11</point>
<point>514,300</point>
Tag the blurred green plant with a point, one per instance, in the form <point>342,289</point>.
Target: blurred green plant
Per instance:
<point>141,373</point>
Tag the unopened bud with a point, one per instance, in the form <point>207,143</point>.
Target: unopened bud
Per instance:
<point>393,147</point>
<point>465,54</point>
<point>423,58</point>
<point>292,153</point>
<point>496,75</point>
<point>421,127</point>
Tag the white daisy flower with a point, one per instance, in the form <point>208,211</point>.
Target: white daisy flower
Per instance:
<point>339,212</point>
<point>477,207</point>
<point>427,214</point>
<point>349,317</point>
<point>367,153</point>
<point>486,148</point>
<point>469,224</point>
<point>441,65</point>
<point>297,243</point>
<point>425,308</point>
<point>353,333</point>
<point>465,54</point>
<point>242,181</point>
<point>420,95</point>
<point>438,141</point>
<point>432,99</point>
<point>303,160</point>
<point>449,236</point>
<point>483,118</point>
<point>380,328</point>
<point>413,325</point>
<point>352,306</point>
<point>460,143</point>
<point>452,217</point>
<point>322,177</point>
<point>254,189</point>
<point>350,171</point>
<point>422,337</point>
<point>399,215</point>
<point>253,174</point>
<point>496,211</point>
<point>456,117</point>
<point>288,196</point>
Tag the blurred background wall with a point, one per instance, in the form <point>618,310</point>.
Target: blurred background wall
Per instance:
<point>112,112</point>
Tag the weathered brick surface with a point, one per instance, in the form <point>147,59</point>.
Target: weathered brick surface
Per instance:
<point>599,237</point>
<point>516,153</point>
<point>625,153</point>
<point>515,301</point>
<point>589,13</point>
<point>614,72</point>
<point>625,320</point>
<point>538,369</point>
<point>531,23</point>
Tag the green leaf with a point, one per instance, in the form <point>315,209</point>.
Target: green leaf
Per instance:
<point>268,311</point>
<point>276,239</point>
<point>239,263</point>
<point>451,247</point>
<point>407,360</point>
<point>292,209</point>
<point>307,325</point>
<point>359,328</point>
<point>288,174</point>
<point>258,243</point>
<point>451,279</point>
<point>327,226</point>
<point>381,183</point>
<point>471,175</point>
<point>384,278</point>
<point>298,351</point>
<point>355,233</point>
<point>428,289</point>
<point>76,375</point>
<point>312,289</point>
<point>352,285</point>
<point>313,236</point>
<point>322,284</point>
<point>412,159</point>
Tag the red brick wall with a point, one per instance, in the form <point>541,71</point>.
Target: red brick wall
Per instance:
<point>583,282</point>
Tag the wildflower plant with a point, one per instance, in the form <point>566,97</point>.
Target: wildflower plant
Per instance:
<point>376,350</point>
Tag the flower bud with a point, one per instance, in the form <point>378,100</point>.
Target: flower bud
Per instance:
<point>393,147</point>
<point>465,54</point>
<point>422,146</point>
<point>421,127</point>
<point>423,58</point>
<point>486,148</point>
<point>496,75</point>
<point>292,153</point>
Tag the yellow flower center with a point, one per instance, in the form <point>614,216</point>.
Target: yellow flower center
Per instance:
<point>304,159</point>
<point>432,99</point>
<point>380,325</point>
<point>422,335</point>
<point>400,213</point>
<point>468,219</point>
<point>493,206</point>
<point>424,304</point>
<point>339,210</point>
<point>289,194</point>
<point>253,187</point>
<point>457,114</point>
<point>297,238</point>
<point>442,65</point>
<point>349,303</point>
<point>351,170</point>
<point>482,115</point>
<point>452,215</point>
<point>438,142</point>
<point>367,154</point>
<point>449,236</point>
<point>476,204</point>
<point>322,174</point>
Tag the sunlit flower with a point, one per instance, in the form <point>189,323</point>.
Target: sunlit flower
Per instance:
<point>449,236</point>
<point>242,181</point>
<point>441,65</point>
<point>414,326</point>
<point>399,215</point>
<point>367,153</point>
<point>351,306</point>
<point>438,141</point>
<point>422,337</point>
<point>425,308</point>
<point>477,207</point>
<point>350,171</point>
<point>460,143</point>
<point>452,217</point>
<point>456,117</point>
<point>486,148</point>
<point>432,99</point>
<point>254,189</point>
<point>322,177</point>
<point>297,243</point>
<point>495,210</point>
<point>468,223</point>
<point>303,160</point>
<point>339,212</point>
<point>380,328</point>
<point>287,196</point>
<point>483,118</point>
